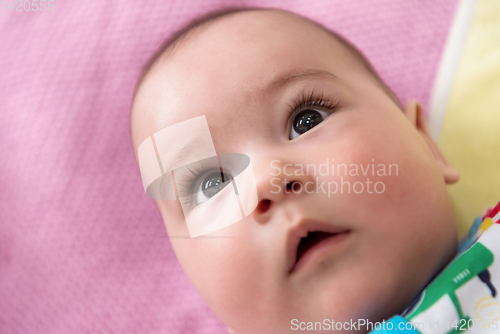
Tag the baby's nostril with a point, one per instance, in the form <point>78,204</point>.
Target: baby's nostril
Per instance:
<point>293,186</point>
<point>264,205</point>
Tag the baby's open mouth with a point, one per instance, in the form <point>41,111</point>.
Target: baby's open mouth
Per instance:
<point>312,239</point>
<point>315,246</point>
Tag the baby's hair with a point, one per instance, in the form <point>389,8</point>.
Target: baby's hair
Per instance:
<point>175,40</point>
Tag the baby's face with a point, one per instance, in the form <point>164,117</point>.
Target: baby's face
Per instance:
<point>244,73</point>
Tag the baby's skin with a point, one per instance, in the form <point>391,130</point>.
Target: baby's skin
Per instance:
<point>245,72</point>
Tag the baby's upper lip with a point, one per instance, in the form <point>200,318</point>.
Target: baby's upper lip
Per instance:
<point>301,230</point>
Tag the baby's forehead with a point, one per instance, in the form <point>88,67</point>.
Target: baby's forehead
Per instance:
<point>249,42</point>
<point>271,28</point>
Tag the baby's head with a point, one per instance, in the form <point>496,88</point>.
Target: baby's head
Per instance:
<point>289,94</point>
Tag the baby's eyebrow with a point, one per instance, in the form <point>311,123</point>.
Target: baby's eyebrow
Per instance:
<point>294,75</point>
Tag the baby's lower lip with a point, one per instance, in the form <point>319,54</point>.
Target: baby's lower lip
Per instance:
<point>320,251</point>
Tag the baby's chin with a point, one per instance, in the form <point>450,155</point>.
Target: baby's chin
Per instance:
<point>366,291</point>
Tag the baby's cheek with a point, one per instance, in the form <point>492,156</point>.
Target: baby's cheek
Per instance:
<point>224,271</point>
<point>173,218</point>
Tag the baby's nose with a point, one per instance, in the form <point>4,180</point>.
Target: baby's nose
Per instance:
<point>276,180</point>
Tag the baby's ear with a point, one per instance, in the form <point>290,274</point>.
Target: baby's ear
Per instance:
<point>415,113</point>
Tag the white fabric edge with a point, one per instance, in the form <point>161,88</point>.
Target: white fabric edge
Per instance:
<point>449,64</point>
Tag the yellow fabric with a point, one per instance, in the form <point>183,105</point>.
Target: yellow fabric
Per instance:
<point>470,137</point>
<point>487,223</point>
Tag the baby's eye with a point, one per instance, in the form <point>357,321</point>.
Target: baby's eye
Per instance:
<point>306,120</point>
<point>211,184</point>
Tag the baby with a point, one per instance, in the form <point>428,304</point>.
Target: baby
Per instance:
<point>286,92</point>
